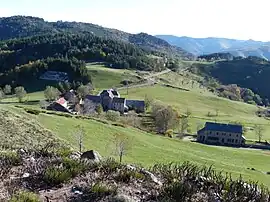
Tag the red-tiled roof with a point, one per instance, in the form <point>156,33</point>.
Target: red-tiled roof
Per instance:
<point>61,101</point>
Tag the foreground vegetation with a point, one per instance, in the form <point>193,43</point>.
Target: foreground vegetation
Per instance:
<point>172,182</point>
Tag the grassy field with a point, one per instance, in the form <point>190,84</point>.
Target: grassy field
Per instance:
<point>148,149</point>
<point>200,103</point>
<point>104,77</point>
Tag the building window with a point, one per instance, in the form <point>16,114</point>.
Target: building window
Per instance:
<point>236,141</point>
<point>230,135</point>
<point>222,140</point>
<point>213,138</point>
<point>236,135</point>
<point>217,133</point>
<point>232,140</point>
<point>210,132</point>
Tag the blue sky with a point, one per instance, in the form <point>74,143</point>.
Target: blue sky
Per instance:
<point>240,19</point>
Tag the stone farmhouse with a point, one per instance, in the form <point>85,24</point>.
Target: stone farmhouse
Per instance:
<point>111,100</point>
<point>221,134</point>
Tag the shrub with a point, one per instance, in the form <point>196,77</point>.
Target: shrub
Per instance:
<point>11,158</point>
<point>57,174</point>
<point>64,152</point>
<point>99,109</point>
<point>127,176</point>
<point>110,165</point>
<point>101,190</point>
<point>112,115</point>
<point>25,196</point>
<point>169,133</point>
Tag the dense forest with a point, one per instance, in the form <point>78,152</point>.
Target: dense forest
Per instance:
<point>217,56</point>
<point>30,46</point>
<point>25,26</point>
<point>25,58</point>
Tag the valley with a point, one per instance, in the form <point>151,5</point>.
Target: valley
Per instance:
<point>48,125</point>
<point>147,145</point>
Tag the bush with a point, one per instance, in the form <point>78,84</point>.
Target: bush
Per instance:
<point>11,158</point>
<point>25,196</point>
<point>169,133</point>
<point>101,190</point>
<point>112,115</point>
<point>127,176</point>
<point>57,174</point>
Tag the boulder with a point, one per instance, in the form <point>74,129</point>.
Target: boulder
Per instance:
<point>91,155</point>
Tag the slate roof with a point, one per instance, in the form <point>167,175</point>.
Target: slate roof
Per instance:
<point>119,100</point>
<point>230,128</point>
<point>136,103</point>
<point>93,98</point>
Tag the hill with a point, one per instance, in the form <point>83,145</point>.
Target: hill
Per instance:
<point>202,46</point>
<point>26,26</point>
<point>24,60</point>
<point>99,134</point>
<point>57,173</point>
<point>251,73</point>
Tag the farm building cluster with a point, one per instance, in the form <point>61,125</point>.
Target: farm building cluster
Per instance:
<point>109,100</point>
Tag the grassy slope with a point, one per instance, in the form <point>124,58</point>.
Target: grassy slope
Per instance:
<point>148,149</point>
<point>106,77</point>
<point>200,103</point>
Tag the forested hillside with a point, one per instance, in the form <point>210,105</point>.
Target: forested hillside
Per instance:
<point>22,26</point>
<point>252,73</point>
<point>24,59</point>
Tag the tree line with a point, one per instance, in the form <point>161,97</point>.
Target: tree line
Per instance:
<point>87,47</point>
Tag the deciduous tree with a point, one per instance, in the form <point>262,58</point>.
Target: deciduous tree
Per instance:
<point>165,117</point>
<point>184,125</point>
<point>20,93</point>
<point>51,93</point>
<point>84,90</point>
<point>122,144</point>
<point>7,89</point>
<point>259,132</point>
<point>79,135</point>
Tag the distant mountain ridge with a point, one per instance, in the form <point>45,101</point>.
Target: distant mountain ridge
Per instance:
<point>27,26</point>
<point>203,46</point>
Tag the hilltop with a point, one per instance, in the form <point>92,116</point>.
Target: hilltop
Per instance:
<point>250,72</point>
<point>27,26</point>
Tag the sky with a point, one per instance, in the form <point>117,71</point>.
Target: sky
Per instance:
<point>238,19</point>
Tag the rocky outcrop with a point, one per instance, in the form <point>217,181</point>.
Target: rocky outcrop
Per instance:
<point>91,155</point>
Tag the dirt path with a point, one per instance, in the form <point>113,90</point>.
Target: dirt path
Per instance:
<point>150,80</point>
